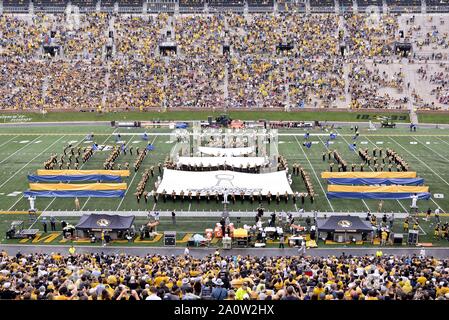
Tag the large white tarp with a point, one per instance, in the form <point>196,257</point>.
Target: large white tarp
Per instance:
<point>226,152</point>
<point>235,162</point>
<point>224,181</point>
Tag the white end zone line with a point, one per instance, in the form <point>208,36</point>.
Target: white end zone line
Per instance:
<point>314,172</point>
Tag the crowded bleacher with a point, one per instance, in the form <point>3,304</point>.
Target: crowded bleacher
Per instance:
<point>256,60</point>
<point>216,277</point>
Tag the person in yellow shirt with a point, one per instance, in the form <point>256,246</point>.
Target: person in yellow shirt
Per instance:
<point>384,237</point>
<point>243,293</point>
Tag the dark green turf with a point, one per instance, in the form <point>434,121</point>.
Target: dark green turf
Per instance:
<point>202,115</point>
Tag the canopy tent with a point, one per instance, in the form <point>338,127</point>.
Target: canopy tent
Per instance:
<point>226,152</point>
<point>343,224</point>
<point>235,162</point>
<point>224,181</point>
<point>105,222</point>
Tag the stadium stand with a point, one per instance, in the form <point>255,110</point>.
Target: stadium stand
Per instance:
<point>50,5</point>
<point>216,277</point>
<point>85,5</point>
<point>437,5</point>
<point>368,3</point>
<point>156,6</point>
<point>16,6</point>
<point>130,6</point>
<point>260,5</point>
<point>322,6</point>
<point>191,6</point>
<point>404,5</point>
<point>291,6</point>
<point>107,5</point>
<point>226,5</point>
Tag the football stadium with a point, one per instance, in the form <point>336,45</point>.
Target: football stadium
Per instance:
<point>224,150</point>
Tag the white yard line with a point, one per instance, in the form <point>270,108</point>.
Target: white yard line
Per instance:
<point>130,184</point>
<point>404,208</point>
<point>51,202</point>
<point>364,202</point>
<point>26,145</point>
<point>1,145</point>
<point>86,161</point>
<point>17,171</point>
<point>426,167</point>
<point>445,159</point>
<point>314,172</point>
<point>442,140</point>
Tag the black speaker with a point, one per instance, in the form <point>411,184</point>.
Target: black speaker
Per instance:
<point>401,33</point>
<point>169,34</point>
<point>170,238</point>
<point>397,238</point>
<point>209,120</point>
<point>111,34</point>
<point>412,237</point>
<point>52,34</point>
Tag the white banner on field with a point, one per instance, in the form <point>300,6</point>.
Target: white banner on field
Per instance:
<point>235,162</point>
<point>224,181</point>
<point>226,152</point>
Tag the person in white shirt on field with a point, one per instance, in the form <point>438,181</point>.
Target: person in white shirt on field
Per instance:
<point>414,202</point>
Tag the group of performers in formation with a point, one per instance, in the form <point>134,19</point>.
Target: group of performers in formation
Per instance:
<point>72,158</point>
<point>379,160</point>
<point>110,161</point>
<point>298,170</point>
<point>202,167</point>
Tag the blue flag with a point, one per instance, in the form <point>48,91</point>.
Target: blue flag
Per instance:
<point>352,147</point>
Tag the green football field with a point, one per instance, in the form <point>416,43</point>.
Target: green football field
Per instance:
<point>23,150</point>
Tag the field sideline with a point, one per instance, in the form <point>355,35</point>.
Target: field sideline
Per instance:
<point>23,151</point>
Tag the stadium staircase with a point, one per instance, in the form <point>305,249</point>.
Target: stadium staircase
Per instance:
<point>423,6</point>
<point>384,6</point>
<point>1,7</point>
<point>355,6</point>
<point>307,6</point>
